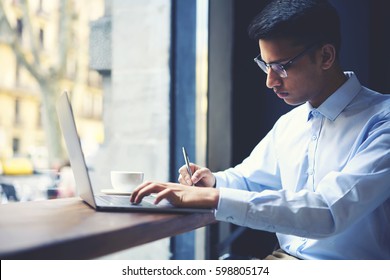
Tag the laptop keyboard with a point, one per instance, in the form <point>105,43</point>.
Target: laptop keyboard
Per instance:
<point>123,201</point>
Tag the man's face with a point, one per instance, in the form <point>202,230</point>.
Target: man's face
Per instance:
<point>304,81</point>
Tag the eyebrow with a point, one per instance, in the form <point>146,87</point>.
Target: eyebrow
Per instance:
<point>279,61</point>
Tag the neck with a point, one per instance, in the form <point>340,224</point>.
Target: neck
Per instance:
<point>333,79</point>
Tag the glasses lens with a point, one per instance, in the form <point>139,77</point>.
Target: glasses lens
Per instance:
<point>262,65</point>
<point>279,69</point>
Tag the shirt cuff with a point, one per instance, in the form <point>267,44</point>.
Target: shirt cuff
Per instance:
<point>219,180</point>
<point>232,206</point>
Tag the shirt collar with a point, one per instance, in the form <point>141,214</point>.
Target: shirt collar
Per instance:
<point>332,107</point>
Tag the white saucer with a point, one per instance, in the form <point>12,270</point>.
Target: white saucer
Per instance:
<point>116,192</point>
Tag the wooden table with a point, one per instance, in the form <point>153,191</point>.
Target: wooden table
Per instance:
<point>69,229</point>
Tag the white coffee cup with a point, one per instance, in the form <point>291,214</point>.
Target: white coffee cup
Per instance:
<point>126,181</point>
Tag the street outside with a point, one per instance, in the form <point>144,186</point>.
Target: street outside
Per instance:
<point>32,187</point>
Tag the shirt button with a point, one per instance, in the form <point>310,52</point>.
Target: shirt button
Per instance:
<point>314,137</point>
<point>311,172</point>
<point>230,219</point>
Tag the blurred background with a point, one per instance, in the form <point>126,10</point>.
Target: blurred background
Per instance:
<point>146,77</point>
<point>44,49</point>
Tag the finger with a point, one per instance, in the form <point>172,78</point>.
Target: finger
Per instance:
<point>181,180</point>
<point>165,194</point>
<point>185,177</point>
<point>193,168</point>
<point>200,174</point>
<point>182,169</point>
<point>136,191</point>
<point>148,190</point>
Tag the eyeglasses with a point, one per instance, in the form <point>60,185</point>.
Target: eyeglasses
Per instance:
<point>279,68</point>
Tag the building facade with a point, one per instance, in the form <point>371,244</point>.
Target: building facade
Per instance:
<point>37,27</point>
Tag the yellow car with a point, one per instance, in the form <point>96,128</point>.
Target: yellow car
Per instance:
<point>17,166</point>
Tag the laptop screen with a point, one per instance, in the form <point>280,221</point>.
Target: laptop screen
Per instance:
<point>75,152</point>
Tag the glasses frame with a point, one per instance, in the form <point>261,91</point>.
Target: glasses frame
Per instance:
<point>281,68</point>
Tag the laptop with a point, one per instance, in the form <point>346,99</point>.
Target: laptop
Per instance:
<point>83,181</point>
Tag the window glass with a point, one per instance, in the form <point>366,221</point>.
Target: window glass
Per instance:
<point>44,49</point>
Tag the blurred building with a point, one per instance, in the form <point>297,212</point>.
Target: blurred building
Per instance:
<point>21,125</point>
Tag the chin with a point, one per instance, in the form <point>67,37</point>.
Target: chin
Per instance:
<point>293,102</point>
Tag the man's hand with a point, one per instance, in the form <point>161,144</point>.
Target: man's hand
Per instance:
<point>177,194</point>
<point>201,176</point>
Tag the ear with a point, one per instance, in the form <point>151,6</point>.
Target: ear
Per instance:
<point>328,56</point>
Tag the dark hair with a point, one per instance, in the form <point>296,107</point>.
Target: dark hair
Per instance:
<point>302,21</point>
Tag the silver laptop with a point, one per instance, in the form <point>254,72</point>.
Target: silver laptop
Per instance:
<point>83,182</point>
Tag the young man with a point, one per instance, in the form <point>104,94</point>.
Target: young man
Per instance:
<point>320,178</point>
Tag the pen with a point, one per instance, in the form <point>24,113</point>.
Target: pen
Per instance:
<point>187,161</point>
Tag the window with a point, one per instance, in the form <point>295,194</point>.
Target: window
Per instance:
<point>16,146</point>
<point>41,38</point>
<point>19,27</point>
<point>40,5</point>
<point>17,73</point>
<point>17,118</point>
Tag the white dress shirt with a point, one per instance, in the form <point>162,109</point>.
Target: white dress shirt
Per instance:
<point>320,179</point>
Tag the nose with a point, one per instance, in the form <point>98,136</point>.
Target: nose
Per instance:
<point>273,79</point>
